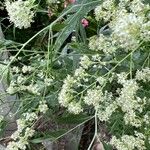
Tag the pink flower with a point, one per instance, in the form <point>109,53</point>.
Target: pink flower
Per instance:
<point>85,22</point>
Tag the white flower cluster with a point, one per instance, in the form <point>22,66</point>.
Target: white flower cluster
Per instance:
<point>102,43</point>
<point>128,142</point>
<point>27,69</point>
<point>21,79</point>
<point>85,62</point>
<point>80,73</point>
<point>23,133</point>
<point>127,95</point>
<point>145,31</point>
<point>20,13</point>
<point>98,63</point>
<point>65,95</point>
<point>18,87</point>
<point>126,30</point>
<point>20,82</point>
<point>69,96</point>
<point>43,107</point>
<point>137,7</point>
<point>125,100</point>
<point>94,97</point>
<point>16,69</point>
<point>132,119</point>
<point>105,10</point>
<point>25,128</point>
<point>32,88</point>
<point>48,81</point>
<point>101,80</point>
<point>104,113</point>
<point>143,75</point>
<point>75,107</point>
<point>130,103</point>
<point>128,21</point>
<point>146,118</point>
<point>104,102</point>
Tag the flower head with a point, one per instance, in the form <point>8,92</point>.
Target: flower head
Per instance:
<point>85,22</point>
<point>20,13</point>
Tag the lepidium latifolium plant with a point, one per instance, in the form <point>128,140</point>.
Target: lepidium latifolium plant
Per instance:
<point>115,80</point>
<point>86,58</point>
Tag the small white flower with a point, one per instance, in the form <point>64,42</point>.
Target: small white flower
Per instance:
<point>102,43</point>
<point>126,30</point>
<point>128,142</point>
<point>75,108</point>
<point>33,88</point>
<point>22,143</point>
<point>143,75</point>
<point>30,116</point>
<point>105,10</point>
<point>20,13</point>
<point>122,77</point>
<point>80,73</point>
<point>65,94</point>
<point>16,135</point>
<point>138,7</point>
<point>21,124</point>
<point>20,79</point>
<point>127,100</point>
<point>48,81</point>
<point>41,75</point>
<point>146,118</point>
<point>15,69</point>
<point>29,132</point>
<point>26,69</point>
<point>94,97</point>
<point>131,118</point>
<point>43,107</point>
<point>12,146</point>
<point>85,62</point>
<point>104,115</point>
<point>101,80</point>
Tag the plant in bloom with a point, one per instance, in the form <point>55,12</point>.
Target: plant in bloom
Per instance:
<point>20,13</point>
<point>25,128</point>
<point>123,33</point>
<point>86,63</point>
<point>85,22</point>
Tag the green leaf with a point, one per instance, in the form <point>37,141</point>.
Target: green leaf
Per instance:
<point>58,27</point>
<point>73,20</point>
<point>5,72</point>
<point>107,146</point>
<point>73,119</point>
<point>49,136</point>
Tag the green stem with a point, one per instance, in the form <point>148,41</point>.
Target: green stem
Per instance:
<point>95,134</point>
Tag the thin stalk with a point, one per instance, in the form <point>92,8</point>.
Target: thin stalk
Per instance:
<point>95,134</point>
